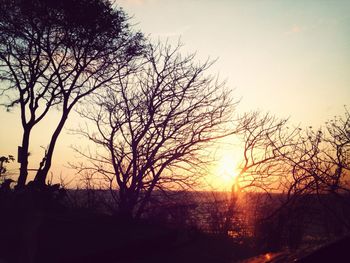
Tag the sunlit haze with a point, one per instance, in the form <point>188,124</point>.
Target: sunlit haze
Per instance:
<point>290,58</point>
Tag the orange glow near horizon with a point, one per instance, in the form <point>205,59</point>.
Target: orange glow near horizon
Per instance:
<point>226,171</point>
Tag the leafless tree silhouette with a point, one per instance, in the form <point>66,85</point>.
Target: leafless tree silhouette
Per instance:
<point>153,126</point>
<point>305,167</point>
<point>54,53</point>
<point>266,140</point>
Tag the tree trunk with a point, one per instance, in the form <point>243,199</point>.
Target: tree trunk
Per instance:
<point>24,158</point>
<point>41,175</point>
<point>126,207</point>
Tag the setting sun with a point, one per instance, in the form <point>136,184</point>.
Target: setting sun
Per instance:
<point>227,170</point>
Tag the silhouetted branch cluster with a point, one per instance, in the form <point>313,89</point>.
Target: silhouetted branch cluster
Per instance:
<point>307,169</point>
<point>54,53</point>
<point>153,124</point>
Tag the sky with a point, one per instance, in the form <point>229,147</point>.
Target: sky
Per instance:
<point>289,58</point>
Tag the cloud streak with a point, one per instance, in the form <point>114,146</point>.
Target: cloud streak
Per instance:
<point>137,2</point>
<point>295,29</point>
<point>175,33</point>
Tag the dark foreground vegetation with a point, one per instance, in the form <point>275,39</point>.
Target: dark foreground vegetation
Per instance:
<point>55,225</point>
<point>39,226</point>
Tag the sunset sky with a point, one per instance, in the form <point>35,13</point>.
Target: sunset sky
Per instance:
<point>290,58</point>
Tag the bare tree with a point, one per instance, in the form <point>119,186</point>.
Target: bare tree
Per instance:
<point>338,151</point>
<point>303,166</point>
<point>277,158</point>
<point>54,53</point>
<point>153,126</point>
<point>321,166</point>
<point>266,140</point>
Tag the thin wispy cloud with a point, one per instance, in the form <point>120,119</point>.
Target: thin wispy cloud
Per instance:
<point>137,2</point>
<point>295,29</point>
<point>175,33</point>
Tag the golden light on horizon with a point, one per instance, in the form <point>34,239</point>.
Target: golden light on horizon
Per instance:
<point>227,170</point>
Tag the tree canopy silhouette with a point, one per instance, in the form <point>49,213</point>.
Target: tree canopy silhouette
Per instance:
<point>308,168</point>
<point>54,53</point>
<point>153,126</point>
